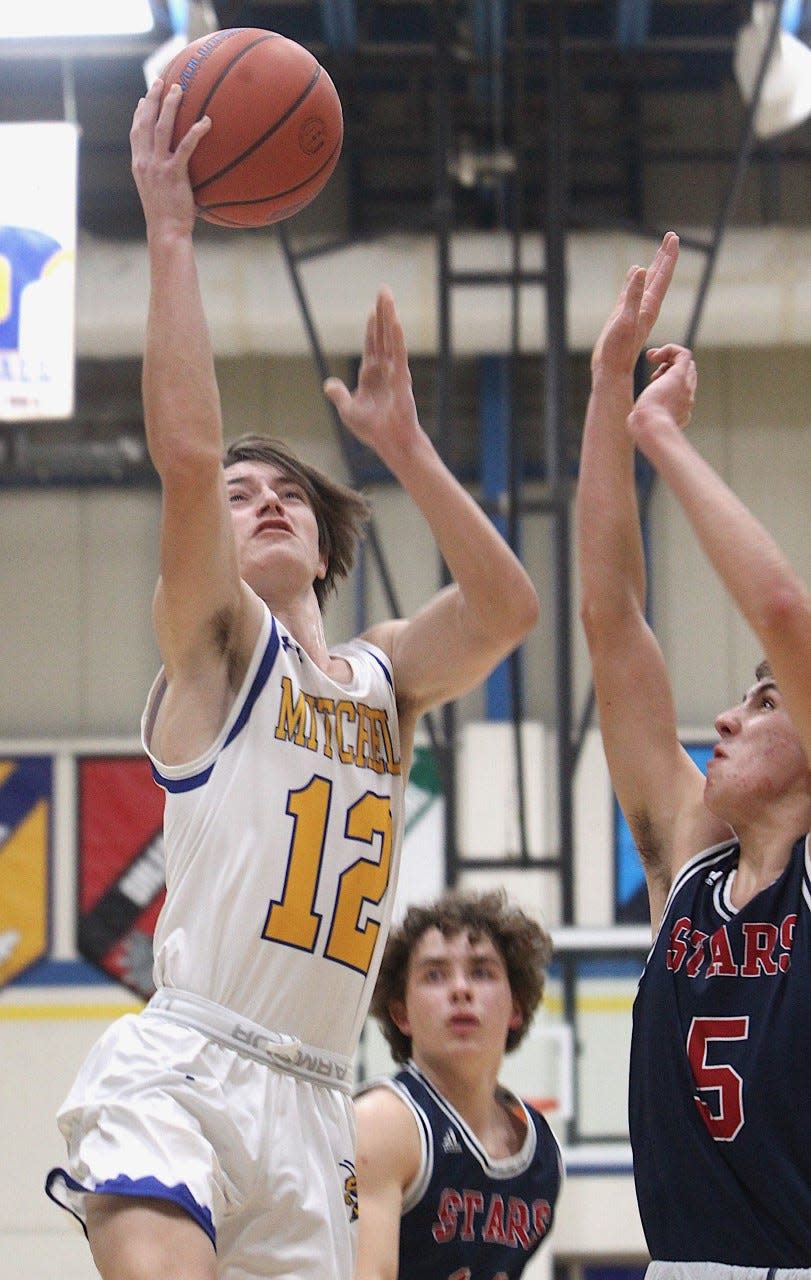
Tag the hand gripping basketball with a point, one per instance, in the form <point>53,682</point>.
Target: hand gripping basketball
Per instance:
<point>276,124</point>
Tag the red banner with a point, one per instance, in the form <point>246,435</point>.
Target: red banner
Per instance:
<point>121,867</point>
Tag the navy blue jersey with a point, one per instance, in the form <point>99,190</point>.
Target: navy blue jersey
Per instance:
<point>720,1081</point>
<point>467,1216</point>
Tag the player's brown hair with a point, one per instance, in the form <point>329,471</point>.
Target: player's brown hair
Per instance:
<point>341,513</point>
<point>524,946</point>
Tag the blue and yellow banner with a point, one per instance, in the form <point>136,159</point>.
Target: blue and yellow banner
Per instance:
<point>25,844</point>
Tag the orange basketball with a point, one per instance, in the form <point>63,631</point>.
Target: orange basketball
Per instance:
<point>276,124</point>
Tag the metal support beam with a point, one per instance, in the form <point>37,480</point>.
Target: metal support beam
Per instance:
<point>495,428</point>
<point>339,19</point>
<point>443,219</point>
<point>633,23</point>
<point>556,402</point>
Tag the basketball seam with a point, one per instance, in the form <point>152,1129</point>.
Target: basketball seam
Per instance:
<point>227,69</point>
<point>264,137</point>
<point>276,195</point>
<point>222,220</point>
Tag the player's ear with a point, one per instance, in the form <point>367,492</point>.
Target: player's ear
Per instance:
<point>399,1016</point>
<point>516,1017</point>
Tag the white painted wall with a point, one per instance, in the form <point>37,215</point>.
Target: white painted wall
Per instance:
<point>759,297</point>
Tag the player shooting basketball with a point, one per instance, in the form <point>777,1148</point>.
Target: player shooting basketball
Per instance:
<point>720,1086</point>
<point>212,1134</point>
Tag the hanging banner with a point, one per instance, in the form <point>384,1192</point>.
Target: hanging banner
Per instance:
<point>25,836</point>
<point>121,868</point>
<point>38,198</point>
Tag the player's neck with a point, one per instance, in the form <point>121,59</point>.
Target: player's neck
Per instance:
<point>302,618</point>
<point>470,1089</point>
<point>759,865</point>
<point>499,1129</point>
<point>766,835</point>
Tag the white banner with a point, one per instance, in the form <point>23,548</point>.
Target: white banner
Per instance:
<point>38,199</point>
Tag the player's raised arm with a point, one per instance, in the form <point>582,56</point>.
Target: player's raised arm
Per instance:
<point>199,576</point>
<point>457,638</point>
<point>658,786</point>
<point>769,593</point>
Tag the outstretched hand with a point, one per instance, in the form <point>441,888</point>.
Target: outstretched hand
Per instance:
<point>667,401</point>
<point>161,174</point>
<point>627,329</point>
<point>380,412</point>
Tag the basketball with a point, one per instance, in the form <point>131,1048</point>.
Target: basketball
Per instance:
<point>276,124</point>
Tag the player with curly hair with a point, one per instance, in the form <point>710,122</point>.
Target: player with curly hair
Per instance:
<point>456,1175</point>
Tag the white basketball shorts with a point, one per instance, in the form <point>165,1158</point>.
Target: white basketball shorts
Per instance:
<point>261,1158</point>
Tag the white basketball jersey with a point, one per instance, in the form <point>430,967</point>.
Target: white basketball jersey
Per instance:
<point>283,845</point>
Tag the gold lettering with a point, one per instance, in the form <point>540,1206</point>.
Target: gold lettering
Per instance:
<point>326,709</point>
<point>344,711</point>
<point>362,745</point>
<point>320,724</point>
<point>392,764</point>
<point>312,741</point>
<point>378,760</point>
<point>292,718</point>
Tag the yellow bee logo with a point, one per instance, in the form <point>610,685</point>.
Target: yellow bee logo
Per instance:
<point>350,1189</point>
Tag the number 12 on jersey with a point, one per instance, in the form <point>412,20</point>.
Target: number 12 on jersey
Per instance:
<point>292,919</point>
